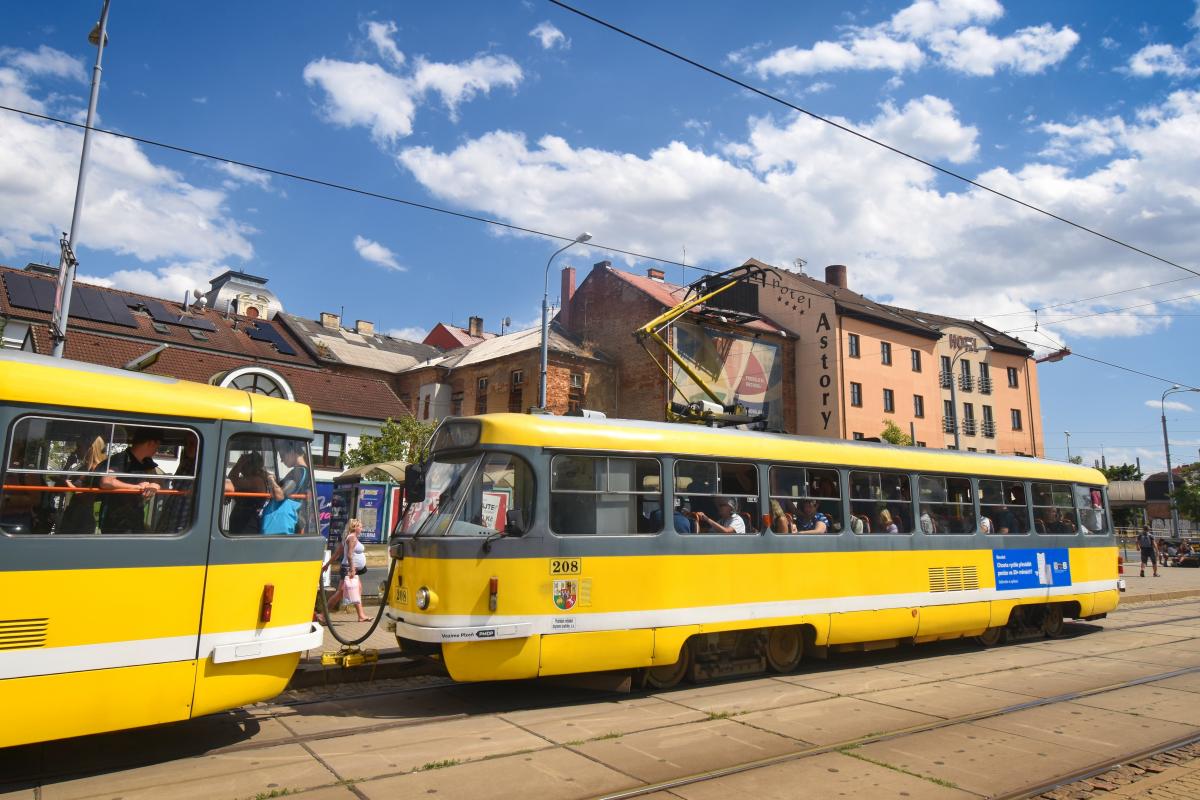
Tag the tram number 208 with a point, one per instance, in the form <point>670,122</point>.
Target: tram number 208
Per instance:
<point>566,566</point>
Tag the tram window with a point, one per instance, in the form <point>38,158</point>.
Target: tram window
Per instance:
<point>1003,504</point>
<point>805,500</point>
<point>599,495</point>
<point>703,487</point>
<point>502,484</point>
<point>1089,501</point>
<point>880,502</point>
<point>947,505</point>
<point>268,487</point>
<point>80,477</point>
<point>1053,510</point>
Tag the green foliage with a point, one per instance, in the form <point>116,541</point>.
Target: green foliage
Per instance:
<point>893,434</point>
<point>405,439</point>
<point>1076,459</point>
<point>1123,472</point>
<point>1187,495</point>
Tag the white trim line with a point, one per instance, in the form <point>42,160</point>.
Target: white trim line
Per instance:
<point>235,647</point>
<point>105,655</point>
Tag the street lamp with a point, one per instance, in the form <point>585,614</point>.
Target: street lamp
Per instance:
<point>1068,435</point>
<point>962,351</point>
<point>580,239</point>
<point>67,262</point>
<point>1167,448</point>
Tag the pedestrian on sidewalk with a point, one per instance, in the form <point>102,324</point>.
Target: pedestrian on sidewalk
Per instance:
<point>353,566</point>
<point>1149,550</point>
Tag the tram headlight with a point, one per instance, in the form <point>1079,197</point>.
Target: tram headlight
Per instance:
<point>426,599</point>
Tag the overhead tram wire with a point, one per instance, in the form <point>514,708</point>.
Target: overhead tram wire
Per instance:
<point>847,129</point>
<point>1057,346</point>
<point>1059,320</point>
<point>346,187</point>
<point>1085,299</point>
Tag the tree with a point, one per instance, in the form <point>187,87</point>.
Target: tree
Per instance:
<point>1187,492</point>
<point>893,435</point>
<point>1123,472</point>
<point>1076,459</point>
<point>405,439</point>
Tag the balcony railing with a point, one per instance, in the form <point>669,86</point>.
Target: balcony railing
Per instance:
<point>985,385</point>
<point>966,383</point>
<point>989,428</point>
<point>948,424</point>
<point>968,427</point>
<point>946,379</point>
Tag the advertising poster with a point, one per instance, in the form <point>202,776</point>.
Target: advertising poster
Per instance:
<point>370,513</point>
<point>1032,569</point>
<point>495,509</point>
<point>738,368</point>
<point>325,511</point>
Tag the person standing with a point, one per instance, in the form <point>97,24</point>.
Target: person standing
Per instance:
<point>1149,551</point>
<point>122,503</point>
<point>353,564</point>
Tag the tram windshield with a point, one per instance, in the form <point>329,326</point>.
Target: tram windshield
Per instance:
<point>473,495</point>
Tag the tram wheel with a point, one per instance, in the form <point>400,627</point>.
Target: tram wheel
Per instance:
<point>993,637</point>
<point>1052,621</point>
<point>668,676</point>
<point>785,648</point>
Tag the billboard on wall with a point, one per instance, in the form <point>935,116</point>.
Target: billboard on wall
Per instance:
<point>738,368</point>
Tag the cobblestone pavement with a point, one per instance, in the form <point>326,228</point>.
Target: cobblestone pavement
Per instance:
<point>1174,775</point>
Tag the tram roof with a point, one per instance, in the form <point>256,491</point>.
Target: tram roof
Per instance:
<point>638,436</point>
<point>44,381</point>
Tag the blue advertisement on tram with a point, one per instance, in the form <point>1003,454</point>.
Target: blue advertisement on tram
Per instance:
<point>1032,569</point>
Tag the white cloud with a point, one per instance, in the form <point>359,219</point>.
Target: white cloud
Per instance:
<point>132,206</point>
<point>1173,405</point>
<point>873,51</point>
<point>1090,137</point>
<point>818,87</point>
<point>1155,59</point>
<point>200,100</point>
<point>550,36</point>
<point>797,187</point>
<point>408,334</point>
<point>369,95</point>
<point>44,62</point>
<point>239,175</point>
<point>380,34</point>
<point>927,16</point>
<point>376,253</point>
<point>169,282</point>
<point>1029,50</point>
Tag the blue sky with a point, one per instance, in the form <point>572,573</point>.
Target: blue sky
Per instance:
<point>523,112</point>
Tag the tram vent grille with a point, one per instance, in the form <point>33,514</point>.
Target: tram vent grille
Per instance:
<point>18,634</point>
<point>953,579</point>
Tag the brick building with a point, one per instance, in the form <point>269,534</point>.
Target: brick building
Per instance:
<point>817,359</point>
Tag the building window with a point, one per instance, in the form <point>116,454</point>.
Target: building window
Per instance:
<point>968,421</point>
<point>889,401</point>
<point>945,363</point>
<point>425,407</point>
<point>858,437</point>
<point>1013,383</point>
<point>1016,419</point>
<point>516,391</point>
<point>481,389</point>
<point>992,452</point>
<point>456,404</point>
<point>576,396</point>
<point>985,378</point>
<point>853,343</point>
<point>946,377</point>
<point>916,360</point>
<point>856,394</point>
<point>972,449</point>
<point>920,444</point>
<point>885,353</point>
<point>918,406</point>
<point>327,449</point>
<point>949,424</point>
<point>989,424</point>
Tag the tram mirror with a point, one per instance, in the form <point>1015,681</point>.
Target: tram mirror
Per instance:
<point>514,522</point>
<point>414,482</point>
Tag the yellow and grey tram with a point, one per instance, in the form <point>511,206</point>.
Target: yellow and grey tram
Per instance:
<point>158,548</point>
<point>548,546</point>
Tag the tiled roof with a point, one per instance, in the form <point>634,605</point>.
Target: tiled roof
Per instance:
<point>376,351</point>
<point>460,335</point>
<point>670,294</point>
<point>509,344</point>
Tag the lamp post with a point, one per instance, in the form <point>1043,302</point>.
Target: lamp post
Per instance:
<point>1068,435</point>
<point>66,261</point>
<point>1167,450</point>
<point>581,238</point>
<point>962,351</point>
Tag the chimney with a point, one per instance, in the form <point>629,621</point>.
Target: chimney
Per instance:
<point>835,275</point>
<point>655,274</point>
<point>331,321</point>
<point>364,328</point>
<point>475,327</point>
<point>567,294</point>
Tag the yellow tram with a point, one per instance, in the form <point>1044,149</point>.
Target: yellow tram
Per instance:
<point>140,582</point>
<point>547,546</point>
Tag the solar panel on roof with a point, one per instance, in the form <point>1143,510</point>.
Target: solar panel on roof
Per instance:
<point>86,303</point>
<point>265,332</point>
<point>117,310</point>
<point>20,292</point>
<point>199,323</point>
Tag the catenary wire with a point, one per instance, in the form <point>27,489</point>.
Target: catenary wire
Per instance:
<point>1074,352</point>
<point>1085,299</point>
<point>346,188</point>
<point>847,129</point>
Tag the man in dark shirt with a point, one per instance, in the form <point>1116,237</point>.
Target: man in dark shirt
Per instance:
<point>125,511</point>
<point>1006,521</point>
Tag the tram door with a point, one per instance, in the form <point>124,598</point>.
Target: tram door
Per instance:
<point>102,559</point>
<point>264,560</point>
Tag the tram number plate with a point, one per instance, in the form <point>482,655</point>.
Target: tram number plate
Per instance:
<point>566,566</point>
<point>402,595</point>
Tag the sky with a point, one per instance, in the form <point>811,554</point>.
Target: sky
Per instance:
<point>527,114</point>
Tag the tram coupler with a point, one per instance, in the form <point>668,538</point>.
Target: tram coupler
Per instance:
<point>349,657</point>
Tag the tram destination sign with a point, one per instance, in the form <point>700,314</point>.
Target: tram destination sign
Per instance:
<point>1032,569</point>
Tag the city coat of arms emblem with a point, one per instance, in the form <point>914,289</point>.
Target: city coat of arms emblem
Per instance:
<point>566,593</point>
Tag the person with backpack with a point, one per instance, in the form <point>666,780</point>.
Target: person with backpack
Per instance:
<point>1149,551</point>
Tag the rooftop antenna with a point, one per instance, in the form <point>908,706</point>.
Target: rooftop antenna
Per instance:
<point>505,324</point>
<point>799,263</point>
<point>683,268</point>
